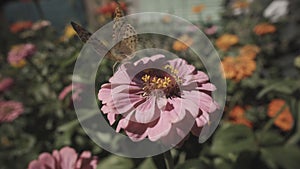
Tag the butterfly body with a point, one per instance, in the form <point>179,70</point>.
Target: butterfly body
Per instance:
<point>124,38</point>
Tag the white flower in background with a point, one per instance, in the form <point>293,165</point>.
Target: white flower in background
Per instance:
<point>276,9</point>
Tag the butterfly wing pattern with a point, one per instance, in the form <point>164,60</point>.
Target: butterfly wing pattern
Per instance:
<point>83,34</point>
<point>86,37</point>
<point>124,37</point>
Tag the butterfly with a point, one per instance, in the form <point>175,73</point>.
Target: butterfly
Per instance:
<point>124,37</point>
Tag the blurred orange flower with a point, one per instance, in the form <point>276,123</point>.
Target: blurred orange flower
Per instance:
<point>237,116</point>
<point>240,4</point>
<point>264,28</point>
<point>226,41</point>
<point>285,119</point>
<point>238,68</point>
<point>20,26</point>
<point>183,43</point>
<point>198,8</point>
<point>249,51</point>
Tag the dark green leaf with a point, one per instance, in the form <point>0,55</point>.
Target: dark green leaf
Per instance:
<point>192,164</point>
<point>285,157</point>
<point>222,163</point>
<point>115,162</point>
<point>147,164</point>
<point>233,139</point>
<point>269,138</point>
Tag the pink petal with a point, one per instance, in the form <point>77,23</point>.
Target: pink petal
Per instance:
<point>161,129</point>
<point>57,158</point>
<point>65,92</point>
<point>68,158</point>
<point>179,131</point>
<point>174,111</point>
<point>206,103</point>
<point>120,77</point>
<point>161,102</point>
<point>201,77</point>
<point>145,60</point>
<point>182,67</point>
<point>202,119</point>
<point>145,111</point>
<point>36,165</point>
<point>191,102</point>
<point>47,160</point>
<point>136,131</point>
<point>105,93</point>
<point>111,118</point>
<point>86,161</point>
<point>207,87</point>
<point>125,101</point>
<point>124,122</point>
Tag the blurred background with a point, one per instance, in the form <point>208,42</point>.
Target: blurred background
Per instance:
<point>258,43</point>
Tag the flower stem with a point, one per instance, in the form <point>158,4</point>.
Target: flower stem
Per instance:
<point>39,9</point>
<point>169,160</point>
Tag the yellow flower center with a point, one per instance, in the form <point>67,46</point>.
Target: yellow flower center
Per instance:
<point>156,82</point>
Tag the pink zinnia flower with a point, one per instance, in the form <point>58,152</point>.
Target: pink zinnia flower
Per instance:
<point>164,101</point>
<point>75,89</point>
<point>10,110</point>
<point>6,83</point>
<point>66,158</point>
<point>211,30</point>
<point>18,54</point>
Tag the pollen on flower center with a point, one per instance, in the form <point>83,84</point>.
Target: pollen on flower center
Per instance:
<point>155,82</point>
<point>159,83</point>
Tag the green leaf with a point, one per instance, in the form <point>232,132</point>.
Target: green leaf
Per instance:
<point>249,160</point>
<point>147,164</point>
<point>285,157</point>
<point>21,145</point>
<point>192,164</point>
<point>222,163</point>
<point>285,87</point>
<point>116,162</point>
<point>269,138</point>
<point>233,139</point>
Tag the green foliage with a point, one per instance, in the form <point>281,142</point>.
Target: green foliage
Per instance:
<point>50,123</point>
<point>230,140</point>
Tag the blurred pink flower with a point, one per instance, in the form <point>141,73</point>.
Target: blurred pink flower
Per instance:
<point>158,98</point>
<point>6,83</point>
<point>18,54</point>
<point>40,24</point>
<point>211,30</point>
<point>10,110</point>
<point>66,158</point>
<point>76,89</point>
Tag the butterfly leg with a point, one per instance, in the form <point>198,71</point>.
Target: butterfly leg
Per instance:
<point>114,66</point>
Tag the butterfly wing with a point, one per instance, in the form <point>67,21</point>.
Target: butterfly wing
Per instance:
<point>82,33</point>
<point>124,37</point>
<point>86,37</point>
